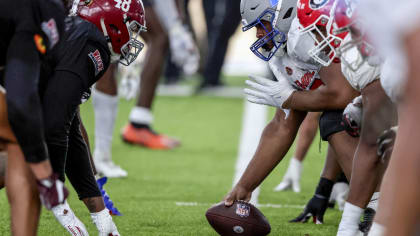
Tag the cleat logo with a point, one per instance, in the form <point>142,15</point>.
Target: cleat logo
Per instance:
<point>242,210</point>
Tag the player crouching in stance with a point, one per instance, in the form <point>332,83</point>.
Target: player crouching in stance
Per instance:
<point>101,33</point>
<point>300,88</point>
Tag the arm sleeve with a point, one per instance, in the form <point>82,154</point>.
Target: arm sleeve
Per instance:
<point>167,13</point>
<point>24,106</point>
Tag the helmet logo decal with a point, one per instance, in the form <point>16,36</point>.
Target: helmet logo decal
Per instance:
<point>317,4</point>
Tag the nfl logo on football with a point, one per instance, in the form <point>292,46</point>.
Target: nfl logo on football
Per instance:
<point>242,210</point>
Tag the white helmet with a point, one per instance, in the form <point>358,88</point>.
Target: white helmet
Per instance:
<point>279,13</point>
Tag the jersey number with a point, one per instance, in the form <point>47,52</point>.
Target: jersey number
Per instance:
<point>123,4</point>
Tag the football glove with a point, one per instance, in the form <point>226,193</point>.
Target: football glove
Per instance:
<point>352,117</point>
<point>52,191</point>
<point>184,52</point>
<point>386,143</point>
<point>315,208</point>
<point>268,92</point>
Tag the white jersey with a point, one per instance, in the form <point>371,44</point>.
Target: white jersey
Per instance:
<point>364,75</point>
<point>297,66</point>
<point>387,27</point>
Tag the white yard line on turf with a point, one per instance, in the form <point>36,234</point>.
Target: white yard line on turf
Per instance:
<point>254,120</point>
<point>267,205</point>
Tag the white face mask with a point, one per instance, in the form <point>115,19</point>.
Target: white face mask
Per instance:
<point>298,45</point>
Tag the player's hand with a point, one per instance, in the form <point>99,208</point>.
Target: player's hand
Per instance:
<point>184,52</point>
<point>386,143</point>
<point>315,208</point>
<point>130,80</point>
<point>268,92</point>
<point>237,193</point>
<point>52,191</point>
<point>352,117</point>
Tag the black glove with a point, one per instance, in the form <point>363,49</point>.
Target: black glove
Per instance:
<point>52,191</point>
<point>317,206</point>
<point>386,142</point>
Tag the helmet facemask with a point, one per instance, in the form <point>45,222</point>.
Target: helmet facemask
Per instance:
<point>277,38</point>
<point>131,49</point>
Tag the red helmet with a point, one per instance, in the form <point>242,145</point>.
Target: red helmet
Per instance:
<point>346,20</point>
<point>316,18</point>
<point>121,21</point>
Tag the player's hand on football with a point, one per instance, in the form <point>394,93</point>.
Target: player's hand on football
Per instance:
<point>352,117</point>
<point>386,143</point>
<point>315,208</point>
<point>268,92</point>
<point>237,193</point>
<point>52,191</point>
<point>184,52</point>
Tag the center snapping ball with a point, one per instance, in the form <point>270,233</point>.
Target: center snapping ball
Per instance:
<point>240,219</point>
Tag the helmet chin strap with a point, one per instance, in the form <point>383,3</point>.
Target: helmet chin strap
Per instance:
<point>73,10</point>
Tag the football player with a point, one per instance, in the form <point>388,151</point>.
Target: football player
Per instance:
<point>398,211</point>
<point>164,21</point>
<point>300,88</point>
<point>30,30</point>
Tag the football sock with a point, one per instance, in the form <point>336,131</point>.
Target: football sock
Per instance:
<point>350,219</point>
<point>141,117</point>
<point>106,108</point>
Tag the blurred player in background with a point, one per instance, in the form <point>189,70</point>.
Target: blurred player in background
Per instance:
<point>163,21</point>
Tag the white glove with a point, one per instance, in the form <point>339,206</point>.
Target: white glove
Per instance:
<point>352,117</point>
<point>183,49</point>
<point>130,80</point>
<point>104,223</point>
<point>267,92</point>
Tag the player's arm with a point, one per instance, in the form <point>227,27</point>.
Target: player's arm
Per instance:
<point>23,102</point>
<point>335,94</point>
<point>275,141</point>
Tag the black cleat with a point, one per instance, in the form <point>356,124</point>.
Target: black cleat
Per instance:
<point>365,225</point>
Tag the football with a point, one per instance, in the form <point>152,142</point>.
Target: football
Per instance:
<point>242,218</point>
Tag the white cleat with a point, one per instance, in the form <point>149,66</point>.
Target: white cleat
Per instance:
<point>105,166</point>
<point>292,177</point>
<point>104,223</point>
<point>69,220</point>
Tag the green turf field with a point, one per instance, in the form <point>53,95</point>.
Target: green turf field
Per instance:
<point>200,171</point>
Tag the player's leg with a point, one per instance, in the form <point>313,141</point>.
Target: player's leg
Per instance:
<point>306,135</point>
<point>22,194</point>
<point>105,105</point>
<point>139,131</point>
<point>21,186</point>
<point>378,115</point>
<point>80,174</point>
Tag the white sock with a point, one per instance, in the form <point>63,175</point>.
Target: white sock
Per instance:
<point>106,108</point>
<point>99,214</point>
<point>141,115</point>
<point>374,201</point>
<point>350,219</point>
<point>377,230</point>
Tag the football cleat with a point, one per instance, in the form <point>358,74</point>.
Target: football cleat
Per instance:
<point>147,138</point>
<point>108,202</point>
<point>69,220</point>
<point>105,166</point>
<point>104,223</point>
